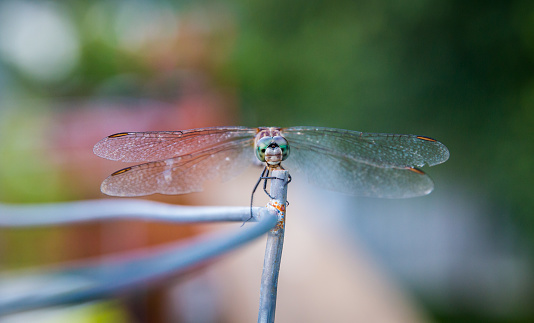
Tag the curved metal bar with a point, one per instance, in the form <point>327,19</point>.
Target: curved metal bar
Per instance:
<point>105,277</point>
<point>23,215</point>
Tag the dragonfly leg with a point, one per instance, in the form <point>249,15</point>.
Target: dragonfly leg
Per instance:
<point>289,175</point>
<point>271,178</point>
<point>288,181</point>
<point>262,176</point>
<point>265,178</point>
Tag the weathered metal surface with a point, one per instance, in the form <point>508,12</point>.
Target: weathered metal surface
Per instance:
<point>273,251</point>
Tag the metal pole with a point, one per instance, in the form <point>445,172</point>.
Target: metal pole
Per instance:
<point>273,251</point>
<point>27,215</point>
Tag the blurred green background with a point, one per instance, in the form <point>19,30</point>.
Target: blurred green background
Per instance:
<point>458,71</point>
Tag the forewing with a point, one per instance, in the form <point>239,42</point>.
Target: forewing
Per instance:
<point>160,145</point>
<point>364,164</point>
<point>183,174</point>
<point>379,149</point>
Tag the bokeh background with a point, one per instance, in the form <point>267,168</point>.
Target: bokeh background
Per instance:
<point>458,71</point>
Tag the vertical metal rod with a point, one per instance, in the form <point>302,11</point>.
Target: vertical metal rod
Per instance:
<point>273,250</point>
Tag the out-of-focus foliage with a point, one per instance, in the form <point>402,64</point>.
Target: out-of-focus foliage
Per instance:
<point>460,71</point>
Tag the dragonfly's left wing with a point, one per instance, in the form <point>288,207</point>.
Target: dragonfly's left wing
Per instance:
<point>182,174</point>
<point>365,164</point>
<point>178,162</point>
<point>159,145</point>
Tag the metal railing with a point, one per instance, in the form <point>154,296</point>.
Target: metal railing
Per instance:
<point>104,277</point>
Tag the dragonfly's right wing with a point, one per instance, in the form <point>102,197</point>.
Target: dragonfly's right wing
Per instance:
<point>183,174</point>
<point>379,149</point>
<point>364,164</point>
<point>338,173</point>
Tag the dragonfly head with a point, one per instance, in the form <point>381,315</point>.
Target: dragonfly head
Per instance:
<point>272,150</point>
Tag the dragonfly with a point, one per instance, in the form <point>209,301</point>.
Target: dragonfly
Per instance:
<point>352,162</point>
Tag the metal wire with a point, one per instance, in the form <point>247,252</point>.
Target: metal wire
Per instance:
<point>83,211</point>
<point>104,277</point>
<point>107,276</point>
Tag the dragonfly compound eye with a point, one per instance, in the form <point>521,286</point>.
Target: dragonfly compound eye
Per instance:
<point>261,146</point>
<point>283,144</point>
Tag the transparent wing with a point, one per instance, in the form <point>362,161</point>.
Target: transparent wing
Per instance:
<point>183,174</point>
<point>379,149</point>
<point>365,164</point>
<point>345,175</point>
<point>160,145</point>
